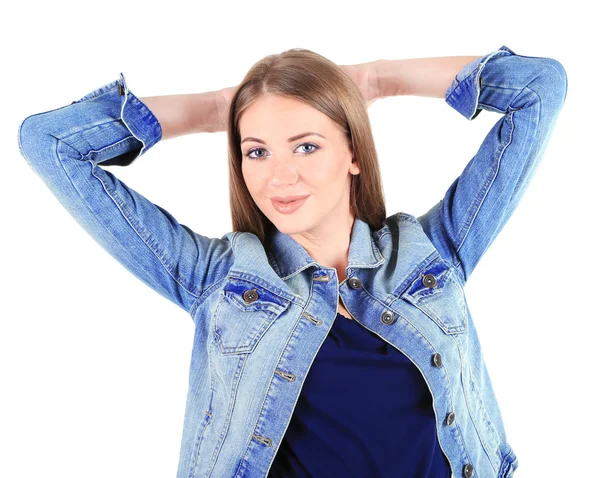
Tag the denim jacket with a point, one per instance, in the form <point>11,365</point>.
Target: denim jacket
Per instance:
<point>261,313</point>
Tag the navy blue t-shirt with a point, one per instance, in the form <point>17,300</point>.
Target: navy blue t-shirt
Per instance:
<point>363,411</point>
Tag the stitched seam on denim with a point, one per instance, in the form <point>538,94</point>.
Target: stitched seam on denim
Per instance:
<point>23,122</point>
<point>406,217</point>
<point>462,360</point>
<point>477,69</point>
<point>199,435</point>
<point>267,322</point>
<point>508,460</point>
<point>410,324</point>
<point>472,415</point>
<point>93,166</point>
<point>242,359</point>
<point>98,92</point>
<point>383,234</point>
<point>487,425</point>
<point>126,213</point>
<point>262,408</point>
<point>212,375</point>
<point>413,274</point>
<point>122,118</point>
<point>538,122</point>
<point>110,147</point>
<point>107,229</point>
<point>178,279</point>
<point>509,116</point>
<point>488,187</point>
<point>376,253</point>
<point>463,299</point>
<point>260,282</point>
<point>208,291</point>
<point>92,126</point>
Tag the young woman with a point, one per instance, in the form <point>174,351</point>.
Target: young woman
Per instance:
<point>330,338</point>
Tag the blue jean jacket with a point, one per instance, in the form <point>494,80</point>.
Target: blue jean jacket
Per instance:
<point>261,313</point>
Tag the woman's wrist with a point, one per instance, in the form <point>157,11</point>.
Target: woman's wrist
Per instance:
<point>185,114</point>
<point>430,77</point>
<point>223,99</point>
<point>364,75</point>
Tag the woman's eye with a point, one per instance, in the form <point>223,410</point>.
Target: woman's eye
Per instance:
<point>255,150</point>
<point>311,145</point>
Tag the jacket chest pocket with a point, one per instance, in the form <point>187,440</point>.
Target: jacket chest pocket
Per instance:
<point>243,314</point>
<point>439,295</point>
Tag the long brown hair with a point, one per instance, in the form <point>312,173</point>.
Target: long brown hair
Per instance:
<point>313,79</point>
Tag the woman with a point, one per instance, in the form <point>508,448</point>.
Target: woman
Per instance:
<point>372,305</point>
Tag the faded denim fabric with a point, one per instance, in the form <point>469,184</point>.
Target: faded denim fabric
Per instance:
<point>262,313</point>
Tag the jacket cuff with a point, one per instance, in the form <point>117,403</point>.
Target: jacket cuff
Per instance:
<point>134,114</point>
<point>137,117</point>
<point>463,94</point>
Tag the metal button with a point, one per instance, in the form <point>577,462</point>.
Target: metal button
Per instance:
<point>468,470</point>
<point>429,280</point>
<point>121,89</point>
<point>387,317</point>
<point>355,282</point>
<point>250,296</point>
<point>450,418</point>
<point>437,360</point>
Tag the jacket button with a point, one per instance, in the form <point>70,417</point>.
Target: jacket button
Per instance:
<point>450,418</point>
<point>437,360</point>
<point>387,317</point>
<point>468,470</point>
<point>429,280</point>
<point>355,282</point>
<point>250,296</point>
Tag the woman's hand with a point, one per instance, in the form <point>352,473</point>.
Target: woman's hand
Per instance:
<point>364,76</point>
<point>223,99</point>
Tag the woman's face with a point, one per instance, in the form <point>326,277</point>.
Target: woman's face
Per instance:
<point>276,162</point>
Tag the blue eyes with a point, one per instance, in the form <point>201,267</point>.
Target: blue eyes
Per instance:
<point>260,157</point>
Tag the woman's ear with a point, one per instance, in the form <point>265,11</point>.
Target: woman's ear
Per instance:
<point>354,169</point>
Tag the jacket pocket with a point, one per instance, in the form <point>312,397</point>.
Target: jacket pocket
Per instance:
<point>244,313</point>
<point>438,294</point>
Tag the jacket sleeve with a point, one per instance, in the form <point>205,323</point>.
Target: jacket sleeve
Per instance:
<point>111,126</point>
<point>529,92</point>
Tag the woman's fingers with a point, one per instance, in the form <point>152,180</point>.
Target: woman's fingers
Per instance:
<point>365,77</point>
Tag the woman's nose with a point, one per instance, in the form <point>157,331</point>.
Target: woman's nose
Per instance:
<point>283,171</point>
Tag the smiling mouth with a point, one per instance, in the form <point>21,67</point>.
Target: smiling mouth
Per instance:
<point>288,199</point>
<point>290,206</point>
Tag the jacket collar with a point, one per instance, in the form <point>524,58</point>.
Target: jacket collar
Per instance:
<point>287,257</point>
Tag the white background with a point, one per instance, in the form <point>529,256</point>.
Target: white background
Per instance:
<point>94,363</point>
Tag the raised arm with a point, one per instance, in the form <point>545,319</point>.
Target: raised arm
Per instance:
<point>428,77</point>
<point>529,92</point>
<point>111,126</point>
<point>191,113</point>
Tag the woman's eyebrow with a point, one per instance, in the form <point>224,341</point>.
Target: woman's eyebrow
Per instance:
<point>293,138</point>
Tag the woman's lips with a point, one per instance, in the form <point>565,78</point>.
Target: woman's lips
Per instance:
<point>289,207</point>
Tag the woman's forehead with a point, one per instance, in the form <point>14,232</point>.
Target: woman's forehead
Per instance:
<point>280,119</point>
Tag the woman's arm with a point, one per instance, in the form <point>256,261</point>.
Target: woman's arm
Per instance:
<point>68,148</point>
<point>529,93</point>
<point>429,77</point>
<point>207,112</point>
<point>190,113</point>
